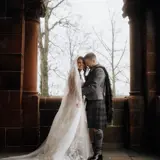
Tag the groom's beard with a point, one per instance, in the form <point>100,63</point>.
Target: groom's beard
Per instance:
<point>94,65</point>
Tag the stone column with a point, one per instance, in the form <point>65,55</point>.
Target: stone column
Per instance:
<point>34,10</point>
<point>30,101</point>
<point>30,95</point>
<point>137,72</point>
<point>30,57</point>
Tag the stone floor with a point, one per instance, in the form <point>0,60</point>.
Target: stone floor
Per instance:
<point>127,155</point>
<point>114,155</point>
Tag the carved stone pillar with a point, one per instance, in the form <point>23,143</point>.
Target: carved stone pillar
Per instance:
<point>34,10</point>
<point>30,57</point>
<point>137,72</point>
<point>30,96</point>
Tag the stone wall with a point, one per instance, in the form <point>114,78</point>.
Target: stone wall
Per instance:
<point>11,73</point>
<point>23,125</point>
<point>15,137</point>
<point>116,135</point>
<point>19,102</point>
<point>25,118</point>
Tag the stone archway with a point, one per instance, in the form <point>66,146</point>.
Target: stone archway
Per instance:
<point>19,101</point>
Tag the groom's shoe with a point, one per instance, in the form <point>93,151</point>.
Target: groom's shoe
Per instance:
<point>96,157</point>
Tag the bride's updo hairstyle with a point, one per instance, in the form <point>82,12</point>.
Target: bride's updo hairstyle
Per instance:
<point>81,58</point>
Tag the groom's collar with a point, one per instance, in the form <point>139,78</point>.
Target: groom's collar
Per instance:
<point>94,66</point>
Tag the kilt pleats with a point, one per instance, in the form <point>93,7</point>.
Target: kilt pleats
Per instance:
<point>96,114</point>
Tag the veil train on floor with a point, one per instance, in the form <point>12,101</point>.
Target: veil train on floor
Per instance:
<point>68,138</point>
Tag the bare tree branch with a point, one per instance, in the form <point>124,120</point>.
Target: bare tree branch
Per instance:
<point>59,75</point>
<point>59,22</point>
<point>44,45</point>
<point>124,49</point>
<point>50,9</point>
<point>57,46</point>
<point>102,42</point>
<point>109,61</point>
<point>58,4</point>
<point>112,52</point>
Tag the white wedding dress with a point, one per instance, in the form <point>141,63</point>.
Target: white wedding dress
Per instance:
<point>68,138</point>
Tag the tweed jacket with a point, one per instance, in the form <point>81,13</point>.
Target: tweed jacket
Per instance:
<point>94,87</point>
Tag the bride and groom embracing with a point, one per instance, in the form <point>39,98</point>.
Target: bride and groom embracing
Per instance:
<point>87,103</point>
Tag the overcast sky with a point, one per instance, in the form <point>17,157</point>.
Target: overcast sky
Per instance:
<point>95,14</point>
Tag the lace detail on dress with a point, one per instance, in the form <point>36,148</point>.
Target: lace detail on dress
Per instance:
<point>78,148</point>
<point>74,152</point>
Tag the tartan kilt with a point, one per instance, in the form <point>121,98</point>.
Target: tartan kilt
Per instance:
<point>96,114</point>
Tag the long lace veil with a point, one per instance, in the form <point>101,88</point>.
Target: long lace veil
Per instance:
<point>68,138</point>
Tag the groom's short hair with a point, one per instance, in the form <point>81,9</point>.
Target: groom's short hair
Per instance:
<point>90,56</point>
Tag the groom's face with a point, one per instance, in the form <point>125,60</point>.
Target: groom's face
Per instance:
<point>89,62</point>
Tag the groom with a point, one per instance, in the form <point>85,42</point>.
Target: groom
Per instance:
<point>99,102</point>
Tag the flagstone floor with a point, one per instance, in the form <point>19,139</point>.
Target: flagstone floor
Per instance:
<point>112,155</point>
<point>127,155</point>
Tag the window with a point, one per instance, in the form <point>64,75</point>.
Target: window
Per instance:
<point>76,27</point>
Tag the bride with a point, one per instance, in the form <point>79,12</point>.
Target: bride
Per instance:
<point>68,138</point>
